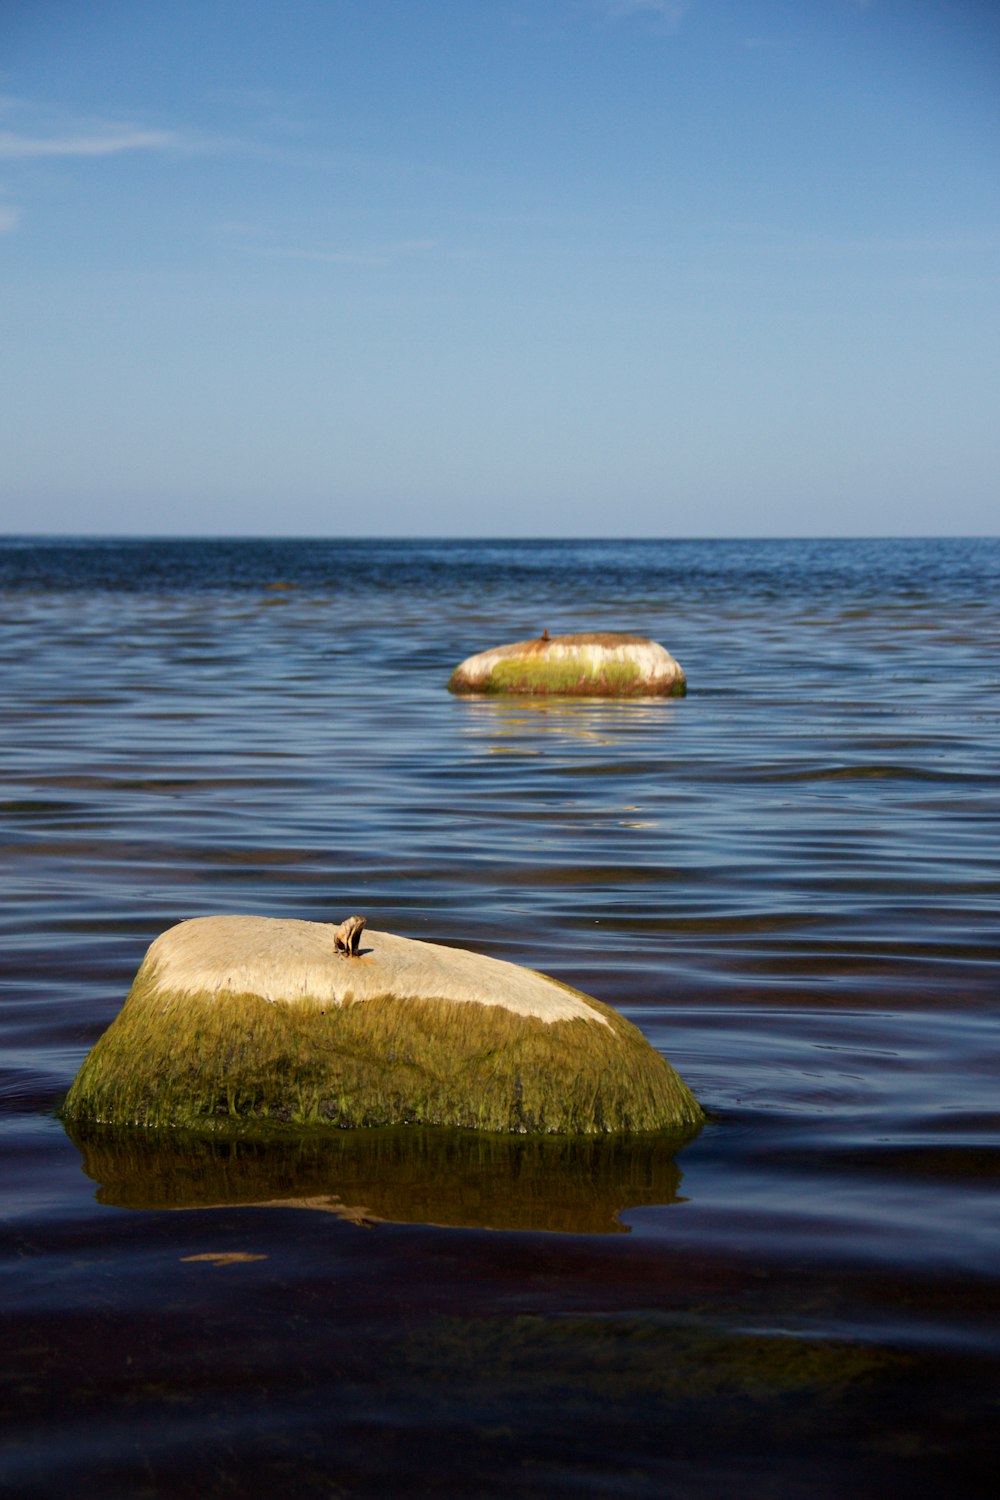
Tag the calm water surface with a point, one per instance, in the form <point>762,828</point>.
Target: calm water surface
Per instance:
<point>789,880</point>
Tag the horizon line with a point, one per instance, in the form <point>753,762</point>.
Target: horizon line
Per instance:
<point>406,539</point>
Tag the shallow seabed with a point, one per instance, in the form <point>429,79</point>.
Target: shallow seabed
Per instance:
<point>788,880</point>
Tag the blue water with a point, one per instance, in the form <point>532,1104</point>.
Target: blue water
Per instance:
<point>788,879</point>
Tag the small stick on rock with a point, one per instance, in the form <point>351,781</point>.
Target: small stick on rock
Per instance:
<point>347,936</point>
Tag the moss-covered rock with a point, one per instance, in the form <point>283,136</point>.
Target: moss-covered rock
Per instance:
<point>235,1020</point>
<point>603,665</point>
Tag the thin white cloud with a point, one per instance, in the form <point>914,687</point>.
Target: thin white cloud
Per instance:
<point>257,239</point>
<point>666,13</point>
<point>10,217</point>
<point>102,143</point>
<point>378,255</point>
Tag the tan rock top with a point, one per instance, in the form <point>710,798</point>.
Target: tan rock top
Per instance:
<point>289,960</point>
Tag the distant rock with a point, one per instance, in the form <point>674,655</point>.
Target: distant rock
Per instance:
<point>254,1021</point>
<point>604,664</point>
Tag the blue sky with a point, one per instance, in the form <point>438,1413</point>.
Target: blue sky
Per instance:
<point>500,267</point>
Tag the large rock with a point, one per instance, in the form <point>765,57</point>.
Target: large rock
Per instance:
<point>603,665</point>
<point>233,1020</point>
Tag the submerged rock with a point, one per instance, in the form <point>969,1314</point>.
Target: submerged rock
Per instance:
<point>235,1020</point>
<point>604,664</point>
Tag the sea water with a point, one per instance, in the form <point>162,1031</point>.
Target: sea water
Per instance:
<point>789,879</point>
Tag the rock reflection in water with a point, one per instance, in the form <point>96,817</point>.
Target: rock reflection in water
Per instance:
<point>418,1176</point>
<point>513,723</point>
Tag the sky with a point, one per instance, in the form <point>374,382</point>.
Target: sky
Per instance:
<point>529,268</point>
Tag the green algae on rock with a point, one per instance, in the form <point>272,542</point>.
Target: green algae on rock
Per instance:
<point>602,664</point>
<point>237,1020</point>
